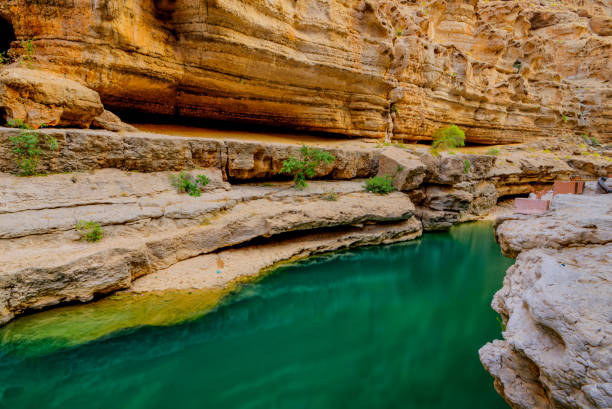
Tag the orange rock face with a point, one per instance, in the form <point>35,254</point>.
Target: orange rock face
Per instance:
<point>505,71</point>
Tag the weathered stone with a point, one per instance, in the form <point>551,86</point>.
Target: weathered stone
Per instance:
<point>405,168</point>
<point>201,272</point>
<point>573,220</point>
<point>92,149</point>
<point>111,122</point>
<point>448,169</point>
<point>506,72</point>
<point>148,226</point>
<point>436,219</point>
<point>556,305</point>
<point>38,97</point>
<point>445,198</point>
<point>254,160</point>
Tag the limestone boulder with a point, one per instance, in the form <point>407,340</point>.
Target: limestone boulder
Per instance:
<point>447,198</point>
<point>448,168</point>
<point>557,348</point>
<point>111,122</point>
<point>42,98</point>
<point>255,160</point>
<point>573,220</point>
<point>407,170</point>
<point>556,307</point>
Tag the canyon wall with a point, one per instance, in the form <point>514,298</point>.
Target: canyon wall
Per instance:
<point>504,71</point>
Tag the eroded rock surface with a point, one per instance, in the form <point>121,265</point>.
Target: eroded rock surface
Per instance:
<point>504,71</point>
<point>556,304</point>
<point>148,227</point>
<point>43,98</point>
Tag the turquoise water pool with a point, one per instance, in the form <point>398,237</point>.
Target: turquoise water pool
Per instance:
<point>395,326</point>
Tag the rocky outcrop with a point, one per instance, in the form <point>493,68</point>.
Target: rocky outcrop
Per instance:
<point>149,227</point>
<point>505,72</point>
<point>407,170</point>
<point>464,187</point>
<point>42,98</point>
<point>556,307</point>
<point>111,122</point>
<point>239,160</point>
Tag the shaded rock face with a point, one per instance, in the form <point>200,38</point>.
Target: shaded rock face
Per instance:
<point>42,98</point>
<point>557,307</point>
<point>505,72</point>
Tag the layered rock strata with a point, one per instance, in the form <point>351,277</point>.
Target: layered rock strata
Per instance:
<point>556,306</point>
<point>504,71</point>
<point>149,227</point>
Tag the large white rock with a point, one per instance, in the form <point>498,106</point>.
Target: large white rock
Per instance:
<point>556,302</point>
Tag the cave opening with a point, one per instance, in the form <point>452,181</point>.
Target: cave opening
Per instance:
<point>7,35</point>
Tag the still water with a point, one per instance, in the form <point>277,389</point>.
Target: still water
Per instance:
<point>395,326</point>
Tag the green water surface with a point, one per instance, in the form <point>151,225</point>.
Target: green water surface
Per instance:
<point>395,326</point>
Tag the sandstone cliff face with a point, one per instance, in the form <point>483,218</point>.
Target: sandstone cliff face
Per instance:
<point>505,71</point>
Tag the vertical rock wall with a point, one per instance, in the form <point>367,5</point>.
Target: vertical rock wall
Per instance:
<point>505,71</point>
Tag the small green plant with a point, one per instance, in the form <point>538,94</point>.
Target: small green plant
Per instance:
<point>89,231</point>
<point>202,180</point>
<point>399,32</point>
<point>585,138</point>
<point>28,48</point>
<point>594,141</point>
<point>546,150</point>
<point>466,166</point>
<point>185,183</point>
<point>16,123</point>
<point>330,196</point>
<point>393,108</point>
<point>27,147</point>
<point>449,137</point>
<point>564,118</point>
<point>493,151</point>
<point>381,185</point>
<point>305,168</point>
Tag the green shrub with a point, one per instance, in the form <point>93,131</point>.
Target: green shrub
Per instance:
<point>202,180</point>
<point>594,141</point>
<point>186,183</point>
<point>449,137</point>
<point>89,231</point>
<point>493,151</point>
<point>27,147</point>
<point>28,48</point>
<point>466,166</point>
<point>305,168</point>
<point>380,184</point>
